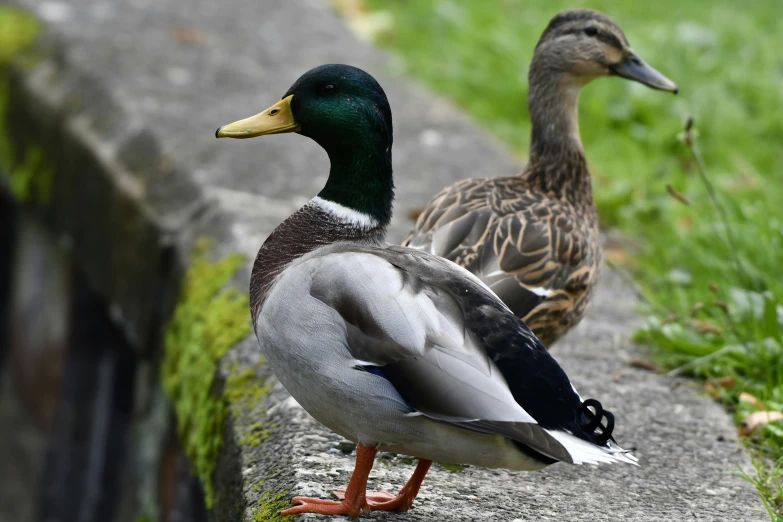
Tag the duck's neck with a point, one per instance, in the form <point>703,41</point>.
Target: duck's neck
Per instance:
<point>355,205</point>
<point>360,180</point>
<point>557,160</point>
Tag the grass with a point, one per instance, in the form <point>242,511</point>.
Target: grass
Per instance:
<point>17,30</point>
<point>709,269</point>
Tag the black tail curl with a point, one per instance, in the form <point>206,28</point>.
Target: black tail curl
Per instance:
<point>594,428</point>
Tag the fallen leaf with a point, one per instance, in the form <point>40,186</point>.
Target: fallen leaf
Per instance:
<point>645,365</point>
<point>757,420</point>
<point>751,399</point>
<point>188,35</point>
<point>712,386</point>
<point>711,390</point>
<point>726,382</point>
<point>351,7</point>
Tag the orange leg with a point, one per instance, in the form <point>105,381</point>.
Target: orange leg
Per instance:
<point>355,501</point>
<point>383,501</point>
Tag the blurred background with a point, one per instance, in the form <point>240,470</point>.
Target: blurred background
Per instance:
<point>693,222</point>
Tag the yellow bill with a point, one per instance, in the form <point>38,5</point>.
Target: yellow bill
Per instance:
<point>277,119</point>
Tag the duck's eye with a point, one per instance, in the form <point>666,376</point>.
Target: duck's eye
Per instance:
<point>591,31</point>
<point>329,89</point>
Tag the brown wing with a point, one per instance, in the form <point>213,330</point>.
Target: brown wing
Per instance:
<point>538,254</point>
<point>454,221</point>
<point>544,247</point>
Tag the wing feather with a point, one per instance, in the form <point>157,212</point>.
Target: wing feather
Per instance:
<point>452,350</point>
<point>416,333</point>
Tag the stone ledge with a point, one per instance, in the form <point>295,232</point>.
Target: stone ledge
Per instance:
<point>139,179</point>
<point>124,242</point>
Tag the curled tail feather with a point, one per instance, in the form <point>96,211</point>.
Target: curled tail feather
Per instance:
<point>593,428</point>
<point>594,444</point>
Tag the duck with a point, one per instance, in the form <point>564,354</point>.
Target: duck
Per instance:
<point>394,348</point>
<point>533,238</point>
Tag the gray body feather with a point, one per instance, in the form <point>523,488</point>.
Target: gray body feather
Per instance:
<point>378,344</point>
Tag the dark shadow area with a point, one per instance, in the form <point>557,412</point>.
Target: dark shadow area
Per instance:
<point>87,454</point>
<point>79,445</point>
<point>7,227</point>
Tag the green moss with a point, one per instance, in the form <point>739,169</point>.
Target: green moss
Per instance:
<point>30,172</point>
<point>243,391</point>
<point>269,507</point>
<point>257,486</point>
<point>18,30</point>
<point>245,388</point>
<point>454,468</point>
<point>31,177</point>
<point>255,435</point>
<point>207,322</point>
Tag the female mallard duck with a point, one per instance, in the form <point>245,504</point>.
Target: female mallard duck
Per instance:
<point>393,348</point>
<point>533,238</point>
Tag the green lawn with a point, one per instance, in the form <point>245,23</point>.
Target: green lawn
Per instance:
<point>728,63</point>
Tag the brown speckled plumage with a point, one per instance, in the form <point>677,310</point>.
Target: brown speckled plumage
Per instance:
<point>516,237</point>
<point>533,238</point>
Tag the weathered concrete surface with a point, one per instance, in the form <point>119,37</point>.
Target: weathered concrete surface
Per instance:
<point>686,445</point>
<point>127,108</point>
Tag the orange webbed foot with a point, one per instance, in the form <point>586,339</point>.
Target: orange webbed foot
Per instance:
<point>383,500</point>
<point>378,496</point>
<point>354,500</point>
<point>324,507</point>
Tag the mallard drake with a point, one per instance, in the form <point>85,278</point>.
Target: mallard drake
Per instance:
<point>533,238</point>
<point>393,348</point>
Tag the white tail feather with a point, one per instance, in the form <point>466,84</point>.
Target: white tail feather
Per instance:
<point>583,452</point>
